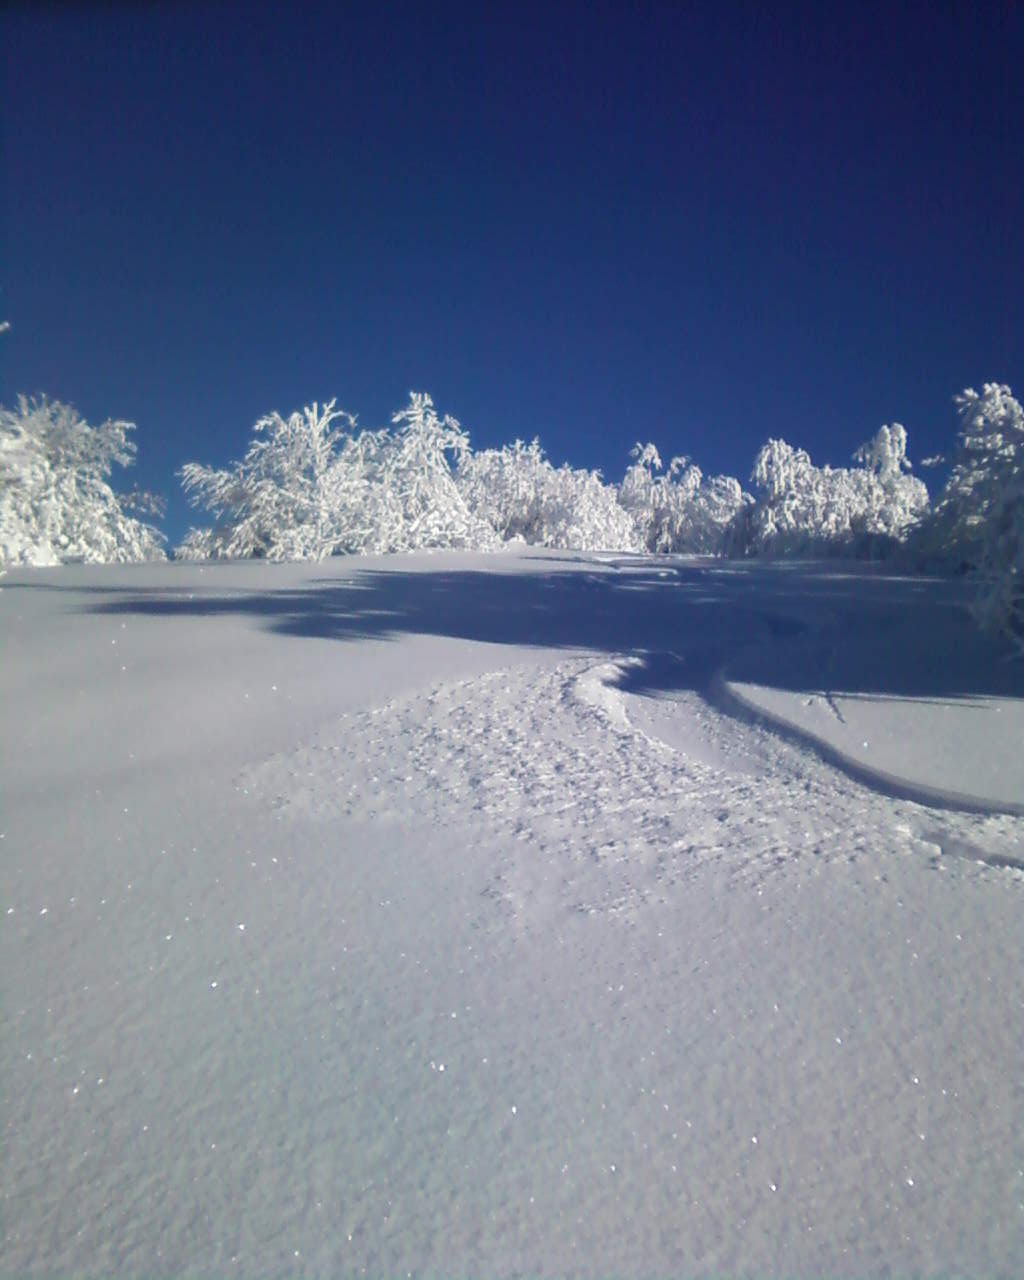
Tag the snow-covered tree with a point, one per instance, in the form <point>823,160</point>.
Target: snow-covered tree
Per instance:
<point>988,464</point>
<point>56,505</point>
<point>310,486</point>
<point>885,454</point>
<point>979,516</point>
<point>524,498</point>
<point>582,513</point>
<point>506,487</point>
<point>679,510</point>
<point>298,494</point>
<point>803,509</point>
<point>999,605</point>
<point>785,514</point>
<point>418,503</point>
<point>894,501</point>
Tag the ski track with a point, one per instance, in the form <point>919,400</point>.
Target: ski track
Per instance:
<point>584,810</point>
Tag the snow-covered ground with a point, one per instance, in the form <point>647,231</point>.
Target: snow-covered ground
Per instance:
<point>513,915</point>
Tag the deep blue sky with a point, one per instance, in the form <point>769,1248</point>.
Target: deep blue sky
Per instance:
<point>697,224</point>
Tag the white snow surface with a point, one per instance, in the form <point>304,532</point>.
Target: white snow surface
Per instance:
<point>523,914</point>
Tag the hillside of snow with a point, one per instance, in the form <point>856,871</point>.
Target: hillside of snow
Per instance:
<point>522,914</point>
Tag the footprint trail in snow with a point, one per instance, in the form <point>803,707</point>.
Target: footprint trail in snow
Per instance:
<point>599,801</point>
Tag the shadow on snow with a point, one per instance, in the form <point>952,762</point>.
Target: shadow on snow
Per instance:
<point>800,626</point>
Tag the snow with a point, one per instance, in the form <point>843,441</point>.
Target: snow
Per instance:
<point>447,914</point>
<point>913,698</point>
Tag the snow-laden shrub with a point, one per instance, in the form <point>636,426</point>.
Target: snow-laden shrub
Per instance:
<point>506,488</point>
<point>979,516</point>
<point>417,502</point>
<point>681,509</point>
<point>524,498</point>
<point>894,501</point>
<point>309,487</point>
<point>999,605</point>
<point>298,494</point>
<point>56,505</point>
<point>801,509</point>
<point>583,514</point>
<point>987,466</point>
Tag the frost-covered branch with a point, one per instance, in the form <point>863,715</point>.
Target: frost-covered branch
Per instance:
<point>526,499</point>
<point>979,516</point>
<point>311,485</point>
<point>55,503</point>
<point>801,509</point>
<point>679,510</point>
<point>290,496</point>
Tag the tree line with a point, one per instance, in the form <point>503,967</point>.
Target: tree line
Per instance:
<point>314,484</point>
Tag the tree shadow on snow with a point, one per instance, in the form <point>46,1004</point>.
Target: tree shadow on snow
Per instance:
<point>799,626</point>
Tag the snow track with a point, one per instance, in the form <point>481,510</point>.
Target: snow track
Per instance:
<point>597,800</point>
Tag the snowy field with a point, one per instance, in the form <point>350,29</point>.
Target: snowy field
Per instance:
<point>524,914</point>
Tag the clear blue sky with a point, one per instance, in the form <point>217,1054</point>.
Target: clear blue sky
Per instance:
<point>698,224</point>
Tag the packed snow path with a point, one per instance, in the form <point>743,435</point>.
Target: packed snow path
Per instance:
<point>430,915</point>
